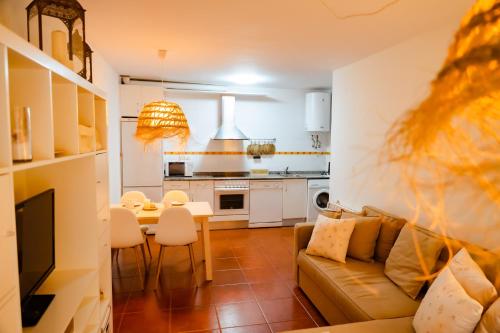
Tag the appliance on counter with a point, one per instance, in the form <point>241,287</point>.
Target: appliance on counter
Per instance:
<point>179,169</point>
<point>318,195</point>
<point>231,200</point>
<point>142,166</point>
<point>266,204</point>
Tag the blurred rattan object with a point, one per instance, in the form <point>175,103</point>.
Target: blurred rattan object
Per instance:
<point>162,119</point>
<point>452,138</point>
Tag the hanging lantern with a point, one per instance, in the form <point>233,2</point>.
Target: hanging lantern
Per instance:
<point>72,14</point>
<point>162,119</point>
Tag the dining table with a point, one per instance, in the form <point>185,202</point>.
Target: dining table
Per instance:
<point>200,211</point>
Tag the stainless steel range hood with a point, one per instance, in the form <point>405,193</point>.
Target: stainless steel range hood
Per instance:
<point>228,129</point>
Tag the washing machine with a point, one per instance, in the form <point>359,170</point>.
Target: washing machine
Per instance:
<point>317,197</point>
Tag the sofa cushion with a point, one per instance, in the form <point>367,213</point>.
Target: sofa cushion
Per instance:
<point>389,232</point>
<point>471,277</point>
<point>447,308</point>
<point>490,321</point>
<point>397,325</point>
<point>359,288</point>
<point>330,238</point>
<point>413,250</point>
<point>363,238</point>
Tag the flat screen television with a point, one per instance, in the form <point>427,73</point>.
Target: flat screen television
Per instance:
<point>35,252</point>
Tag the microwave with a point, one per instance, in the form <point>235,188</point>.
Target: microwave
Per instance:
<point>178,169</point>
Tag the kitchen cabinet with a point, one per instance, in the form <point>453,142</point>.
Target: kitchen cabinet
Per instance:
<point>202,190</point>
<point>181,185</point>
<point>134,97</point>
<point>294,198</point>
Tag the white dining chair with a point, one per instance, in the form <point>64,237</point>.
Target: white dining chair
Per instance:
<point>137,196</point>
<point>175,195</point>
<point>134,196</point>
<point>126,233</point>
<point>175,227</point>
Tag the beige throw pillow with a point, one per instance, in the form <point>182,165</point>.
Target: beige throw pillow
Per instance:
<point>472,278</point>
<point>490,322</point>
<point>403,265</point>
<point>447,308</point>
<point>363,238</point>
<point>330,239</point>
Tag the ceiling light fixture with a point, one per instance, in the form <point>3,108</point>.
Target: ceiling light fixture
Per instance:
<point>245,78</point>
<point>162,119</point>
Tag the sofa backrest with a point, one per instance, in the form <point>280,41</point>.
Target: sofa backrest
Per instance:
<point>487,260</point>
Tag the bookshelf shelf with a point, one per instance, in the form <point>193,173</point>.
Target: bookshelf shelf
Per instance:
<point>75,166</point>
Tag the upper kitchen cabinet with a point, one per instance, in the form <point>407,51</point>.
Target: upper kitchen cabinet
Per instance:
<point>134,97</point>
<point>318,112</point>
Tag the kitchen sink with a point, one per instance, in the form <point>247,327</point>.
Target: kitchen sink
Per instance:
<point>293,175</point>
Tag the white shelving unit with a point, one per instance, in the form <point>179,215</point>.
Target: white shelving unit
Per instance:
<point>76,167</point>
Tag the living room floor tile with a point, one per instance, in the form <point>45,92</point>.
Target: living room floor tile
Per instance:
<point>231,276</point>
<point>271,290</point>
<point>225,263</point>
<point>285,309</point>
<point>232,293</point>
<point>191,319</point>
<point>239,314</point>
<point>292,325</point>
<point>145,322</point>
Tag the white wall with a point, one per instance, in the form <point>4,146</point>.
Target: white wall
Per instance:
<point>13,16</point>
<point>369,96</point>
<point>276,113</point>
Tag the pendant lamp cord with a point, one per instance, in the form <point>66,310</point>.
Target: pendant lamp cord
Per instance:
<point>162,54</point>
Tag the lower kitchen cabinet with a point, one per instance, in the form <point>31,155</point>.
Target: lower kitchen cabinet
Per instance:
<point>294,198</point>
<point>202,190</point>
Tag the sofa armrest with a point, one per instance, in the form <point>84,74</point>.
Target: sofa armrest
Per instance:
<point>301,236</point>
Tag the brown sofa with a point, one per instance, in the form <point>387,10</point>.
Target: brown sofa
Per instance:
<point>358,296</point>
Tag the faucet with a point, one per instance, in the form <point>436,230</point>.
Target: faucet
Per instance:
<point>286,171</point>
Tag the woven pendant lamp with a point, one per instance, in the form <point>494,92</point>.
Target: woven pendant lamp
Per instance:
<point>162,119</point>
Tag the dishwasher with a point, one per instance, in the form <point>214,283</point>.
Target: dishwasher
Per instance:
<point>266,204</point>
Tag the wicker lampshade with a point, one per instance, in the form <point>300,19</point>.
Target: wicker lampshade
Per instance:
<point>162,119</point>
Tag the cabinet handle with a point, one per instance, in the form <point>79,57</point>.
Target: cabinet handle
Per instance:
<point>10,233</point>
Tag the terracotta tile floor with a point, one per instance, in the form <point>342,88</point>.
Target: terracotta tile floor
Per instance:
<point>253,288</point>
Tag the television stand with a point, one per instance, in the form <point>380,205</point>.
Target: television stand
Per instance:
<point>34,308</point>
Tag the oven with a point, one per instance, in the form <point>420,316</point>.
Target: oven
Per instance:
<point>231,197</point>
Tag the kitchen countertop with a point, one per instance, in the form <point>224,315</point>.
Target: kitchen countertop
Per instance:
<point>271,176</point>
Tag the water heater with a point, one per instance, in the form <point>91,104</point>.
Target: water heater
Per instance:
<point>318,111</point>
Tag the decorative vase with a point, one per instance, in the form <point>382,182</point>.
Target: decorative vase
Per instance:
<point>21,134</point>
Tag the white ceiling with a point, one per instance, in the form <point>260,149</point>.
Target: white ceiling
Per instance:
<point>285,43</point>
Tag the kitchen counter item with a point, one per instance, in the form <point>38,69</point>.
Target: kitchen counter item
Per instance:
<point>259,172</point>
